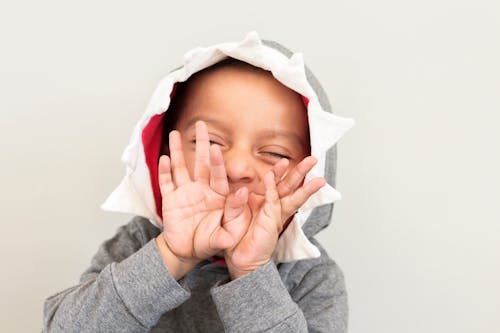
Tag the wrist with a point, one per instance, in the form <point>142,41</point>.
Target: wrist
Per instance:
<point>178,267</point>
<point>236,273</point>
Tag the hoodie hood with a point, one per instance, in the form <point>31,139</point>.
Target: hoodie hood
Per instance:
<point>139,194</point>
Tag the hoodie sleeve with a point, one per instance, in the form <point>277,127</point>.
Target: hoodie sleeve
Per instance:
<point>260,302</point>
<point>126,289</point>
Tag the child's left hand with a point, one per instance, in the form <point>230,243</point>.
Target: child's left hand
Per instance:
<point>269,215</point>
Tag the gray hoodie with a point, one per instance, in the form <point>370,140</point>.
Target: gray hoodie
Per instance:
<point>128,288</point>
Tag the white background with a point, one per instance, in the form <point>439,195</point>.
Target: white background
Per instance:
<point>418,230</point>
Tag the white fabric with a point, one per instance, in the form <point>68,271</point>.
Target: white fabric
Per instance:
<point>134,194</point>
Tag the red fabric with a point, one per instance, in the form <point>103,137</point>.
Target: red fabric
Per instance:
<point>219,261</point>
<point>152,140</point>
<point>306,101</point>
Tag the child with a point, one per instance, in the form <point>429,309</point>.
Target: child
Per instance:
<point>222,240</point>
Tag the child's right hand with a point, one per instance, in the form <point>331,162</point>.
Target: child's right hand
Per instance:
<point>193,224</point>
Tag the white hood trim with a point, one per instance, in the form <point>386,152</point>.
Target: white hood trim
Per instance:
<point>134,194</point>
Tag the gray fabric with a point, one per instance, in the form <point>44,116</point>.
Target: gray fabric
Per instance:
<point>128,288</point>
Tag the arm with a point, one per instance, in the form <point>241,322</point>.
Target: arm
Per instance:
<point>127,288</point>
<point>322,297</point>
<point>256,300</point>
<point>260,302</point>
<point>132,280</point>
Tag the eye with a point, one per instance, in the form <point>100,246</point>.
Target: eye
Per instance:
<point>213,142</point>
<point>274,154</point>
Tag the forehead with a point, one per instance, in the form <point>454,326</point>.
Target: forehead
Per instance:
<point>244,97</point>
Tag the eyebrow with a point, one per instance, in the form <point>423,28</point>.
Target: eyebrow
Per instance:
<point>208,120</point>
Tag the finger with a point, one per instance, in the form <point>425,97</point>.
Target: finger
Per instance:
<point>165,176</point>
<point>295,178</point>
<point>201,164</point>
<point>218,237</point>
<point>270,185</point>
<point>178,165</point>
<point>279,169</point>
<point>255,201</point>
<point>218,176</point>
<point>272,202</point>
<point>300,196</point>
<point>221,239</point>
<point>235,204</point>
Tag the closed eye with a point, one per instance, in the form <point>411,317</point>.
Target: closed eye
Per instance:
<point>212,142</point>
<point>277,155</point>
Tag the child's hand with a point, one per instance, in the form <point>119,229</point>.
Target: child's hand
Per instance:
<point>193,208</point>
<point>269,214</point>
<point>287,187</point>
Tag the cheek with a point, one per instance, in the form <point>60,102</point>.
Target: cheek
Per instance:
<point>261,168</point>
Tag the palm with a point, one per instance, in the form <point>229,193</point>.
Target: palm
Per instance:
<point>261,236</point>
<point>193,209</point>
<point>269,215</point>
<point>258,243</point>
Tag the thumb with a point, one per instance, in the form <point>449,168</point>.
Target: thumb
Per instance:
<point>235,204</point>
<point>221,239</point>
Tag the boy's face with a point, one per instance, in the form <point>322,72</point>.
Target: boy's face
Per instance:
<point>254,118</point>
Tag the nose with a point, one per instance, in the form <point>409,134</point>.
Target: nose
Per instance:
<point>239,167</point>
